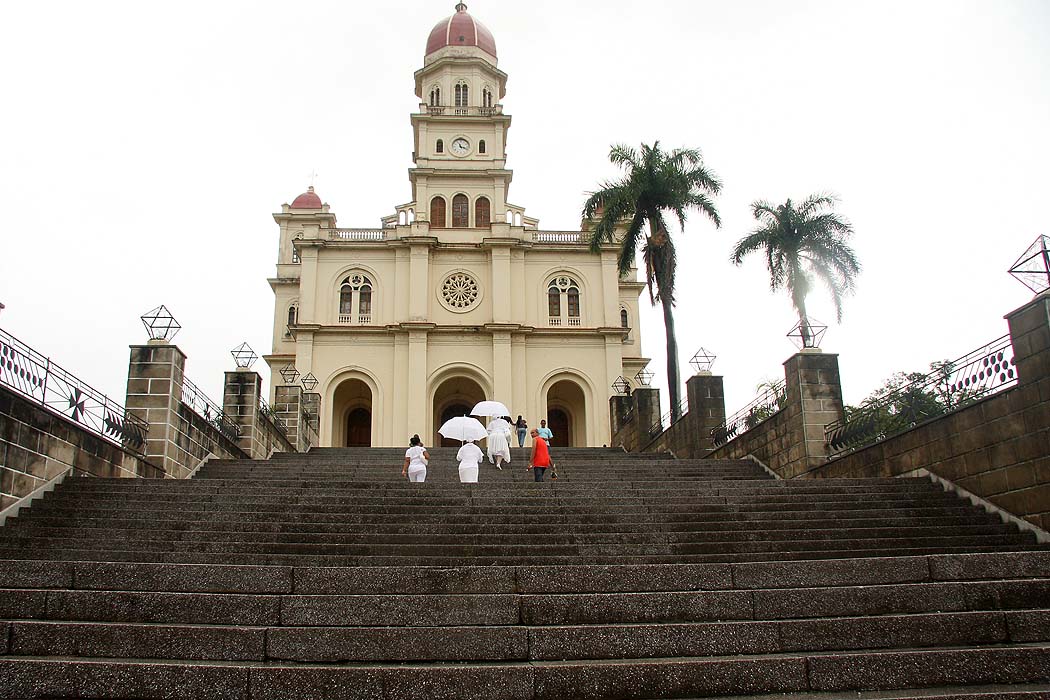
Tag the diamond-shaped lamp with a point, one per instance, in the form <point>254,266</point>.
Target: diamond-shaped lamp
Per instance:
<point>702,361</point>
<point>309,381</point>
<point>807,333</point>
<point>244,356</point>
<point>160,324</point>
<point>1032,269</point>
<point>290,375</point>
<point>644,377</point>
<point>622,386</point>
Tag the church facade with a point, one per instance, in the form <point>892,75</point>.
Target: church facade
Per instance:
<point>458,296</point>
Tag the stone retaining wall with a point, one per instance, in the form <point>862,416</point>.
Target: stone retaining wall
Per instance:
<point>36,445</point>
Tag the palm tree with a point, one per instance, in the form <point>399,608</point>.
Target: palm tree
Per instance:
<point>656,182</point>
<point>802,242</point>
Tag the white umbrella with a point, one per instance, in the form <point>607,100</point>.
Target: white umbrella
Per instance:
<point>463,428</point>
<point>490,408</point>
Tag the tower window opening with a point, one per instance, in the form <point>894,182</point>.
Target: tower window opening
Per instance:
<point>486,98</point>
<point>461,95</point>
<point>437,212</point>
<point>482,213</point>
<point>435,97</point>
<point>554,303</point>
<point>623,319</point>
<point>481,146</point>
<point>293,317</point>
<point>460,211</point>
<point>440,147</point>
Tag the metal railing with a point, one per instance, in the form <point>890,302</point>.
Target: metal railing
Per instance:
<point>266,410</point>
<point>356,234</point>
<point>763,406</point>
<point>209,410</point>
<point>562,237</point>
<point>36,377</point>
<point>668,418</point>
<point>947,388</point>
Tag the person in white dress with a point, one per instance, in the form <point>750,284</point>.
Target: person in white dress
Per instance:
<point>499,441</point>
<point>416,458</point>
<point>469,457</point>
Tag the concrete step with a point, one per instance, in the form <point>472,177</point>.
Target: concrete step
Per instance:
<point>677,677</point>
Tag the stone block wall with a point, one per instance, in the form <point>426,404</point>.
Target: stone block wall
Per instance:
<point>37,445</point>
<point>260,436</point>
<point>998,448</point>
<point>291,405</point>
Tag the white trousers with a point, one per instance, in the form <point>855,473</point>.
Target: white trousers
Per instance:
<point>419,474</point>
<point>469,475</point>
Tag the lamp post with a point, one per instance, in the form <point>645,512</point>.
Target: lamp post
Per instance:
<point>1032,269</point>
<point>244,356</point>
<point>703,361</point>
<point>160,324</point>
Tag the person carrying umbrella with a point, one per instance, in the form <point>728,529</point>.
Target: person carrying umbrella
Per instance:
<point>469,458</point>
<point>499,442</point>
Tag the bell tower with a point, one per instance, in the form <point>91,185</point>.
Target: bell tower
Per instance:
<point>460,178</point>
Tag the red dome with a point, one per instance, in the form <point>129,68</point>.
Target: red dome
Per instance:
<point>461,30</point>
<point>307,200</point>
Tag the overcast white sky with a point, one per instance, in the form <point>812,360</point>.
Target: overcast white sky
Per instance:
<point>145,145</point>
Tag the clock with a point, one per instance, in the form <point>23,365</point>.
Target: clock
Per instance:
<point>460,146</point>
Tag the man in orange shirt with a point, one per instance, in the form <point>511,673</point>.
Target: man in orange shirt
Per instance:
<point>540,458</point>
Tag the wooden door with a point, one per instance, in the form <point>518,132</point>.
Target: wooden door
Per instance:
<point>359,428</point>
<point>558,422</point>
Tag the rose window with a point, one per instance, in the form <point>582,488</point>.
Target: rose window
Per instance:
<point>459,291</point>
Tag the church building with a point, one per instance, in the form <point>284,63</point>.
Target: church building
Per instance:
<point>458,296</point>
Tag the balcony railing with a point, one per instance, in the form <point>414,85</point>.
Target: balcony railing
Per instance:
<point>559,237</point>
<point>209,410</point>
<point>357,234</point>
<point>569,321</point>
<point>27,372</point>
<point>448,110</point>
<point>361,319</point>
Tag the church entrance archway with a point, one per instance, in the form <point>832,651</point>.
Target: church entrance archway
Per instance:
<point>352,414</point>
<point>567,414</point>
<point>454,397</point>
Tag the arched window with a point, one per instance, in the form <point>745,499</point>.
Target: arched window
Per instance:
<point>435,96</point>
<point>554,305</point>
<point>461,95</point>
<point>558,287</point>
<point>295,256</point>
<point>623,319</point>
<point>482,212</point>
<point>437,212</point>
<point>486,97</point>
<point>440,148</point>
<point>460,211</point>
<point>481,146</point>
<point>355,292</point>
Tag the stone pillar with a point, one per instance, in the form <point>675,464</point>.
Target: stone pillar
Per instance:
<point>311,419</point>
<point>418,280</point>
<point>501,303</point>
<point>288,405</point>
<point>620,415</point>
<point>707,410</point>
<point>1030,337</point>
<point>646,413</point>
<point>813,399</point>
<point>155,374</point>
<point>240,401</point>
<point>417,383</point>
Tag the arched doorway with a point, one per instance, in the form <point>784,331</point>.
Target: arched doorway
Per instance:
<point>352,414</point>
<point>454,397</point>
<point>567,414</point>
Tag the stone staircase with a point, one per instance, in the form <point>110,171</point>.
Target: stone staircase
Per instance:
<point>327,576</point>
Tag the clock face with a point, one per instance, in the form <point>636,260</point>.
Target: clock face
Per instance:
<point>460,147</point>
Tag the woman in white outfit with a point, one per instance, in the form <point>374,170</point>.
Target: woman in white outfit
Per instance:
<point>499,441</point>
<point>469,457</point>
<point>416,458</point>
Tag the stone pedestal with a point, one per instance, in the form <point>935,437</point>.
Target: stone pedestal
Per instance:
<point>1030,337</point>
<point>155,375</point>
<point>646,414</point>
<point>620,412</point>
<point>290,405</point>
<point>707,409</point>
<point>813,400</point>
<point>240,402</point>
